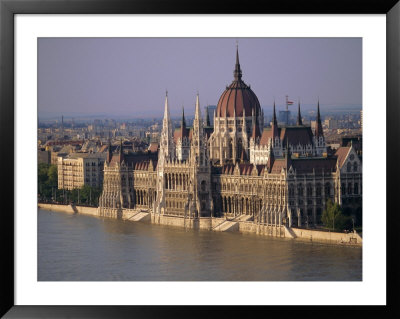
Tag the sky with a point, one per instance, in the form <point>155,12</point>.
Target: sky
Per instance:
<point>129,76</point>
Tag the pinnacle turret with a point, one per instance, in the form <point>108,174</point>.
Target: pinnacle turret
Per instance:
<point>299,120</point>
<point>274,125</point>
<point>318,128</point>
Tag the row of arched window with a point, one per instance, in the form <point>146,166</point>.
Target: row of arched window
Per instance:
<point>353,166</point>
<point>309,190</point>
<point>350,189</point>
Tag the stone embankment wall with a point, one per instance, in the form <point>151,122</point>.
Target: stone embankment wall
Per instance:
<point>70,209</point>
<point>213,224</point>
<point>323,236</point>
<point>250,227</point>
<point>201,223</point>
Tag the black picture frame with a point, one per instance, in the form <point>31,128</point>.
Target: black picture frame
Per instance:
<point>8,8</point>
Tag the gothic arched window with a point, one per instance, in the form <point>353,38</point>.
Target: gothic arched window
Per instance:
<point>349,189</point>
<point>327,189</point>
<point>318,190</point>
<point>349,167</point>
<point>309,190</point>
<point>356,188</point>
<point>300,190</point>
<point>343,189</point>
<point>239,148</point>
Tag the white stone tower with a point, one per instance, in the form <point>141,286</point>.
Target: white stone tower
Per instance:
<point>200,166</point>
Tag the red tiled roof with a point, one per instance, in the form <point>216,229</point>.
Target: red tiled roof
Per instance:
<point>277,165</point>
<point>296,135</point>
<point>341,154</point>
<point>317,165</point>
<point>153,147</point>
<point>266,135</point>
<point>179,132</point>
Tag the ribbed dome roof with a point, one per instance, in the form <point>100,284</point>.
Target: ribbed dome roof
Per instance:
<point>238,97</point>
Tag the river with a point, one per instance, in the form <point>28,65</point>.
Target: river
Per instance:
<point>86,248</point>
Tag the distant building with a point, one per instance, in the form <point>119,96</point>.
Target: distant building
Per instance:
<point>331,123</point>
<point>78,169</point>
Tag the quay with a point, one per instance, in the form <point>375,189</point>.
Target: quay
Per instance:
<point>241,224</point>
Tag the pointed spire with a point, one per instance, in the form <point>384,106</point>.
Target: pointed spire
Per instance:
<point>237,74</point>
<point>166,108</point>
<point>183,122</point>
<point>184,130</point>
<point>197,115</point>
<point>208,123</point>
<point>274,125</point>
<point>318,128</point>
<point>299,120</point>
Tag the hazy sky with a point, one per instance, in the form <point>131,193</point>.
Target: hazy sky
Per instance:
<point>129,76</point>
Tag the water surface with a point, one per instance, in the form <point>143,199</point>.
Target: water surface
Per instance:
<point>86,248</point>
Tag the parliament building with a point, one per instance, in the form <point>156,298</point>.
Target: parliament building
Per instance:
<point>275,175</point>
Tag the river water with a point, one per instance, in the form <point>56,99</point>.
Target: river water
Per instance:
<point>79,247</point>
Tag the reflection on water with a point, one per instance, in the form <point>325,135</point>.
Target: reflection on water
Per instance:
<point>78,247</point>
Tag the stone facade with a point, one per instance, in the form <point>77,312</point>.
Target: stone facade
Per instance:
<point>78,169</point>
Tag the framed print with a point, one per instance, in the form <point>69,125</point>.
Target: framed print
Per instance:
<point>148,184</point>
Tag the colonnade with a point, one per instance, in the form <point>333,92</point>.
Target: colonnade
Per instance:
<point>176,181</point>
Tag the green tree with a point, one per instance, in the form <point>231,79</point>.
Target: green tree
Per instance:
<point>52,174</point>
<point>332,217</point>
<point>47,180</point>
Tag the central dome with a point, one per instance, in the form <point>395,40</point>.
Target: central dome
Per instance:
<point>238,97</point>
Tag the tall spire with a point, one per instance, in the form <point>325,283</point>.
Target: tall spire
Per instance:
<point>299,120</point>
<point>274,125</point>
<point>197,115</point>
<point>184,131</point>
<point>183,122</point>
<point>166,109</point>
<point>207,118</point>
<point>237,74</point>
<point>318,128</point>
<point>166,139</point>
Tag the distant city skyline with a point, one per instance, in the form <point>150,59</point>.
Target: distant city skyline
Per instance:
<point>129,76</point>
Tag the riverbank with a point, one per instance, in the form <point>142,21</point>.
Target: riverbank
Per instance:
<point>241,224</point>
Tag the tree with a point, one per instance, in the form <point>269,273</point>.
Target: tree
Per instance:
<point>52,174</point>
<point>332,217</point>
<point>47,180</point>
